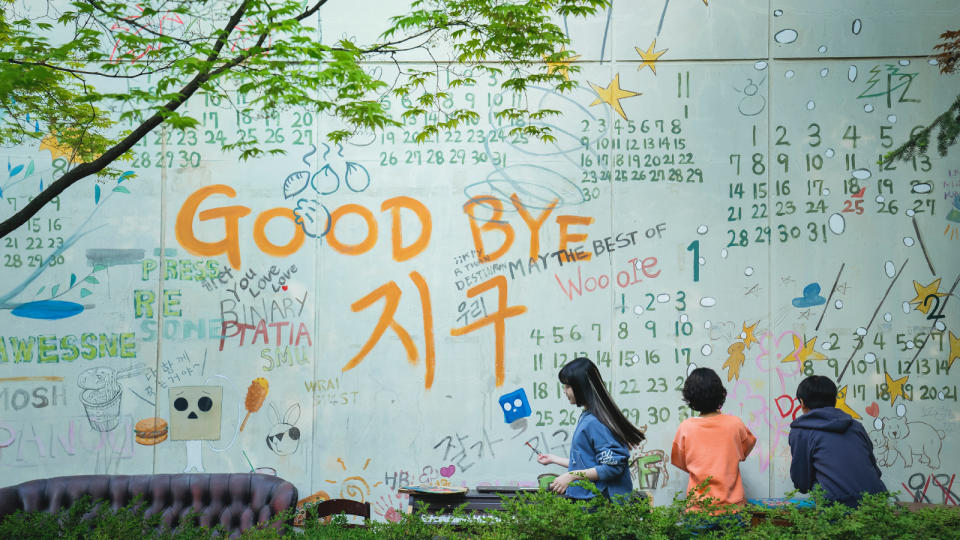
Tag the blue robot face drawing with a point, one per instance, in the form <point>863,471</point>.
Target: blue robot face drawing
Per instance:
<point>515,406</point>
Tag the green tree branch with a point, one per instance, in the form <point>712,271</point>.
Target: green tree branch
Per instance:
<point>947,124</point>
<point>284,66</point>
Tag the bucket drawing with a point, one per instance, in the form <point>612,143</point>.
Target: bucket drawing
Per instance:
<point>102,406</point>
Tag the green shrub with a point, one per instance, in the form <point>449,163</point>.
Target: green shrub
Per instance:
<point>875,517</point>
<point>529,516</point>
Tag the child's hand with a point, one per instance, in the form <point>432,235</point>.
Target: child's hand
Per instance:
<point>545,459</point>
<point>560,484</point>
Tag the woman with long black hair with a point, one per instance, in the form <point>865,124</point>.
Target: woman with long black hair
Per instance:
<point>600,447</point>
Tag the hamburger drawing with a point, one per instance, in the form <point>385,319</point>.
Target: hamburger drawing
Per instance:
<point>150,431</point>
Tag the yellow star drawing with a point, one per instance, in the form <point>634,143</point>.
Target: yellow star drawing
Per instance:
<point>954,349</point>
<point>612,94</point>
<point>804,351</point>
<point>734,361</point>
<point>749,339</point>
<point>650,57</point>
<point>895,387</point>
<point>923,291</point>
<point>561,66</point>
<point>51,143</point>
<point>842,403</point>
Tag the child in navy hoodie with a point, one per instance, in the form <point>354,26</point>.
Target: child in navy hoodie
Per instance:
<point>830,448</point>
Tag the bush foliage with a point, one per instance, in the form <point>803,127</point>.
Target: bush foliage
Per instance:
<point>533,516</point>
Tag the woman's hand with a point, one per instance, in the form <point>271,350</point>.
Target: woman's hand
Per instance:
<point>559,485</point>
<point>546,459</point>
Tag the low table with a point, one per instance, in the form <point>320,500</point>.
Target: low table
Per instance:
<point>481,499</point>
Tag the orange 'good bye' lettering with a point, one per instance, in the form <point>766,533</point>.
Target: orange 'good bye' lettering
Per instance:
<point>494,222</point>
<point>268,247</point>
<point>231,217</point>
<point>230,244</point>
<point>566,237</point>
<point>354,249</point>
<point>533,224</point>
<point>400,252</point>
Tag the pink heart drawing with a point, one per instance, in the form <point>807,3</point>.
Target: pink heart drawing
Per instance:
<point>873,409</point>
<point>447,472</point>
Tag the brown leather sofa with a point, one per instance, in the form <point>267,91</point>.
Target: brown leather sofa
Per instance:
<point>236,501</point>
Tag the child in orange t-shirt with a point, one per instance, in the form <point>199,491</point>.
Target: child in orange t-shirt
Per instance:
<point>712,444</point>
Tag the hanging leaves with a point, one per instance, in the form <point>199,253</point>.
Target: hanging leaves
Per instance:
<point>274,59</point>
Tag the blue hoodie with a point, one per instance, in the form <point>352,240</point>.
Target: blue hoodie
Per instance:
<point>832,449</point>
<point>593,445</point>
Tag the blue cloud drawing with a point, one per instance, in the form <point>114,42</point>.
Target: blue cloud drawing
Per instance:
<point>811,297</point>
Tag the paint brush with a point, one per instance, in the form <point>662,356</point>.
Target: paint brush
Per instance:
<point>532,448</point>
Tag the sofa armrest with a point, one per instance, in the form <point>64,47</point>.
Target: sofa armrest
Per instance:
<point>10,501</point>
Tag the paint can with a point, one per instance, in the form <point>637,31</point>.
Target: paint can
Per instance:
<point>544,480</point>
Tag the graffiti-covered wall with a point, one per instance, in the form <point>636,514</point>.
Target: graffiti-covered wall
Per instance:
<point>362,316</point>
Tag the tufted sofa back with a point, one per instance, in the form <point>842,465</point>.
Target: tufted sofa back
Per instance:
<point>236,501</point>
